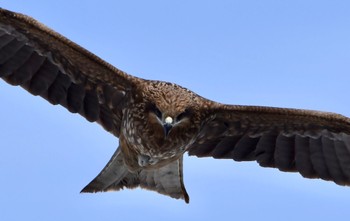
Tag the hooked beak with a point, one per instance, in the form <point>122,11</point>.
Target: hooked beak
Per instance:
<point>167,125</point>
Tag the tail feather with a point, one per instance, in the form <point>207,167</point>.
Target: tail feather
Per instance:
<point>167,180</point>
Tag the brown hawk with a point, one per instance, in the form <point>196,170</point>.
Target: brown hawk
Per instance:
<point>157,122</point>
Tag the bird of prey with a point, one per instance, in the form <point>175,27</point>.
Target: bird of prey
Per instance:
<point>157,122</point>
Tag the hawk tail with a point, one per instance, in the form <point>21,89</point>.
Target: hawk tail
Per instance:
<point>167,180</point>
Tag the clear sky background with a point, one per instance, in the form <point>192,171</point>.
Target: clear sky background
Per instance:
<point>277,53</point>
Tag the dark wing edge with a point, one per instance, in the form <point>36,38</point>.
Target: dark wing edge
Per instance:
<point>49,65</point>
<point>315,144</point>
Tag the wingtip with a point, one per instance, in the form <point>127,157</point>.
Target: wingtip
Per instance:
<point>87,189</point>
<point>90,188</point>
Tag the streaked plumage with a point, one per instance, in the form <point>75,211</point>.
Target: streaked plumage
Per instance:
<point>157,122</point>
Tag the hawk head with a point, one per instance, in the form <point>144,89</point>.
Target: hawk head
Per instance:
<point>169,117</point>
<point>170,120</point>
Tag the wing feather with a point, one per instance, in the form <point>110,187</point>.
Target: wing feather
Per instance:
<point>343,155</point>
<point>318,158</point>
<point>302,158</point>
<point>49,65</point>
<point>284,153</point>
<point>315,144</point>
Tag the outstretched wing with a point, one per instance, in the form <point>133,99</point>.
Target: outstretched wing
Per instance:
<point>48,64</point>
<point>315,144</point>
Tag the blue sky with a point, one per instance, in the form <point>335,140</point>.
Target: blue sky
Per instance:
<point>276,53</point>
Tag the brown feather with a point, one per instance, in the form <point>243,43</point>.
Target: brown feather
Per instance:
<point>48,64</point>
<point>289,139</point>
<point>157,122</point>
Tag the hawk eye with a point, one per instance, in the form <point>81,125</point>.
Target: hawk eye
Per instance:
<point>182,115</point>
<point>157,112</point>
